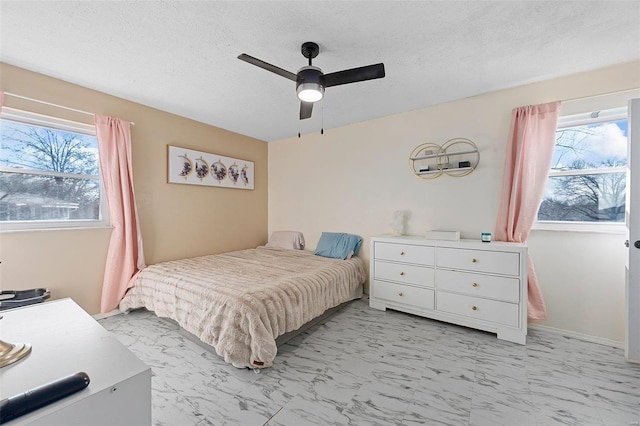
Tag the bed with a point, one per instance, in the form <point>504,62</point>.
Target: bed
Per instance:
<point>241,302</point>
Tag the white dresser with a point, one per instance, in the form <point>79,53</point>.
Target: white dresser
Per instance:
<point>467,282</point>
<point>66,340</point>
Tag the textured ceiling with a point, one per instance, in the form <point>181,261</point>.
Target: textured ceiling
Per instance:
<point>181,57</point>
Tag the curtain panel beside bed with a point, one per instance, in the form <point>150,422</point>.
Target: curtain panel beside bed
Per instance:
<point>125,257</point>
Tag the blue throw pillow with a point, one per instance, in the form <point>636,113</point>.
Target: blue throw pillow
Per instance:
<point>338,245</point>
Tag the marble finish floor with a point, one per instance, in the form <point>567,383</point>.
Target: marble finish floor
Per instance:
<point>368,367</point>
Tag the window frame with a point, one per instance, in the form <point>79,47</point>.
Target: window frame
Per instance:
<point>54,123</point>
<point>566,121</point>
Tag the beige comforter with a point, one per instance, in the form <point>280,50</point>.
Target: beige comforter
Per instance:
<point>239,302</point>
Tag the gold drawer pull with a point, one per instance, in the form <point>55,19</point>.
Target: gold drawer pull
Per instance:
<point>474,285</point>
<point>401,253</point>
<point>400,294</point>
<point>474,260</point>
<point>401,273</point>
<point>474,308</point>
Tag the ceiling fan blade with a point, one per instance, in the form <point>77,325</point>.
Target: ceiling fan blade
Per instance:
<point>305,110</point>
<point>264,65</point>
<point>354,75</point>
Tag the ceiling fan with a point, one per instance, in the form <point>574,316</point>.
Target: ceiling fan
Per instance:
<point>311,81</point>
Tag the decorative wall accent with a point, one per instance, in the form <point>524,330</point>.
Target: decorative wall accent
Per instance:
<point>457,157</point>
<point>191,167</point>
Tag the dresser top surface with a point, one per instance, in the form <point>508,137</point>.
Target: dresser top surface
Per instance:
<point>65,340</point>
<point>463,243</point>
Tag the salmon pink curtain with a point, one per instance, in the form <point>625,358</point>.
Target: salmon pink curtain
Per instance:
<point>529,154</point>
<point>124,257</point>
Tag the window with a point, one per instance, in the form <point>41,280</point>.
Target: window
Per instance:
<point>49,173</point>
<point>587,181</point>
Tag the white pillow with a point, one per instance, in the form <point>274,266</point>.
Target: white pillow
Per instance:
<point>290,240</point>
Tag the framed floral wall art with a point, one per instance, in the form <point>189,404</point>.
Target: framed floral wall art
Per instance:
<point>190,167</point>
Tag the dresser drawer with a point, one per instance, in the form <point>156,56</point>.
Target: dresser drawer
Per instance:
<point>403,273</point>
<point>496,262</point>
<point>490,286</point>
<point>422,298</point>
<point>422,255</point>
<point>483,309</point>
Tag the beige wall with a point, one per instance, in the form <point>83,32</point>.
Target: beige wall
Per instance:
<point>177,221</point>
<point>351,179</point>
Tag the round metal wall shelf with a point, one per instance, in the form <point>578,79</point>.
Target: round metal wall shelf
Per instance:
<point>430,160</point>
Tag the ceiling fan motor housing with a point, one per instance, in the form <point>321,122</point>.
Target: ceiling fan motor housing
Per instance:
<point>310,78</point>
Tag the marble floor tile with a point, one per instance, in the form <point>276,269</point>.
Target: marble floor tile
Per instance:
<point>368,367</point>
<point>374,407</point>
<point>442,397</point>
<point>307,409</point>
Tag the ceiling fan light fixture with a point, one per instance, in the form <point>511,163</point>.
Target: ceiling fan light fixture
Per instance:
<point>310,84</point>
<point>310,92</point>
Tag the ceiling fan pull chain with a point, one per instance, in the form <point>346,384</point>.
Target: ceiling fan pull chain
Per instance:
<point>322,120</point>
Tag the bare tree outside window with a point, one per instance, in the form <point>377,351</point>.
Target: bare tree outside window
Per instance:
<point>587,181</point>
<point>47,174</point>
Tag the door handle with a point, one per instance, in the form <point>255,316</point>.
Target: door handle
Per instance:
<point>637,244</point>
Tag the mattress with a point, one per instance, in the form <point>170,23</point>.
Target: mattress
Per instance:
<point>240,302</point>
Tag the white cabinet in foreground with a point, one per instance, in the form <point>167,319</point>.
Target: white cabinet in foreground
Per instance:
<point>66,340</point>
<point>468,282</point>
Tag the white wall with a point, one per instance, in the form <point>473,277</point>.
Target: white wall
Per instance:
<point>582,279</point>
<point>351,179</point>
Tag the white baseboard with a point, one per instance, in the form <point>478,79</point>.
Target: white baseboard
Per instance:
<point>107,315</point>
<point>580,336</point>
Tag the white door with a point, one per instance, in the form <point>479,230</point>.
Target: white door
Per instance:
<point>632,340</point>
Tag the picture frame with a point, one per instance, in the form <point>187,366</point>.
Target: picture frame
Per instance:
<point>191,167</point>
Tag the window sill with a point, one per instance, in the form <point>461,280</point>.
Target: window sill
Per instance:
<point>12,229</point>
<point>594,228</point>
